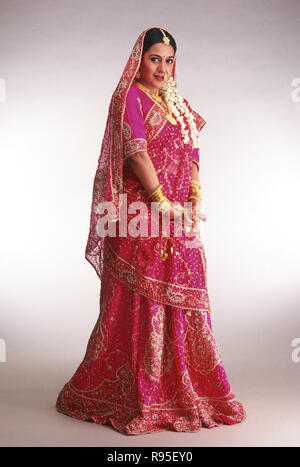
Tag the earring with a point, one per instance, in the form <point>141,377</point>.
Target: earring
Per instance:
<point>138,75</point>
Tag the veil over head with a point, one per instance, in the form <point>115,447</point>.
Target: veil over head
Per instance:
<point>108,180</point>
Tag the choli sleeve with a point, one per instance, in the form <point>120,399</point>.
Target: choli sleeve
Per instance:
<point>133,130</point>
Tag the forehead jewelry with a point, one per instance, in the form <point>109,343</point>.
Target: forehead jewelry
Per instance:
<point>166,40</point>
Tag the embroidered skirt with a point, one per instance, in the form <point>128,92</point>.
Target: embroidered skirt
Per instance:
<point>149,367</point>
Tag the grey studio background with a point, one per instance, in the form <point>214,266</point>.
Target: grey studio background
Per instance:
<point>238,63</point>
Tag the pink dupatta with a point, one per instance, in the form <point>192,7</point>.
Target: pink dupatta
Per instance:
<point>108,180</point>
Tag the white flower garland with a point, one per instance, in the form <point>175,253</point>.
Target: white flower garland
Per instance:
<point>179,109</point>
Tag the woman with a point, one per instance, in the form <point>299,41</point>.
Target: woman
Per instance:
<point>151,363</point>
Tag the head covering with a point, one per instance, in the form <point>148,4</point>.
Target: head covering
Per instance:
<point>108,180</point>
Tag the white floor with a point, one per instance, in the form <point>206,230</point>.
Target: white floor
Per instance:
<point>28,417</point>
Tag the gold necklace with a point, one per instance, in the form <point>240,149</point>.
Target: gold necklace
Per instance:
<point>157,99</point>
<point>147,90</point>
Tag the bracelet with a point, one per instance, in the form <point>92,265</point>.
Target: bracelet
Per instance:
<point>195,183</point>
<point>194,189</point>
<point>164,204</point>
<point>195,197</point>
<point>159,197</point>
<point>195,192</point>
<point>198,187</point>
<point>157,193</point>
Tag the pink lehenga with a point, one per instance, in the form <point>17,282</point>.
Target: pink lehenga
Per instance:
<point>151,363</point>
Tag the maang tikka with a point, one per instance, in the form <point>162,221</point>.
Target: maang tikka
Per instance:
<point>166,40</point>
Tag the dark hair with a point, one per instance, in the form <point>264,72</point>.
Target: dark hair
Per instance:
<point>154,36</point>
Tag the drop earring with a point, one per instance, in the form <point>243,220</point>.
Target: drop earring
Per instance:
<point>138,75</point>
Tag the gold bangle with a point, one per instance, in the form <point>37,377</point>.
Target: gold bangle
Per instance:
<point>196,196</point>
<point>194,188</point>
<point>194,191</point>
<point>195,183</point>
<point>158,196</point>
<point>156,193</point>
<point>163,202</point>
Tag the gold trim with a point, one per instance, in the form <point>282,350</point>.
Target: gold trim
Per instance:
<point>167,113</point>
<point>156,280</point>
<point>78,391</point>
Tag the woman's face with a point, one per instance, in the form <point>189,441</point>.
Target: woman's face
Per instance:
<point>159,59</point>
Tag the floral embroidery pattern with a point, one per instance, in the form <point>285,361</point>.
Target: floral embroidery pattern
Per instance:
<point>134,145</point>
<point>147,378</point>
<point>126,130</point>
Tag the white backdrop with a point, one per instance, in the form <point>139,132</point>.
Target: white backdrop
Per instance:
<point>238,64</point>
